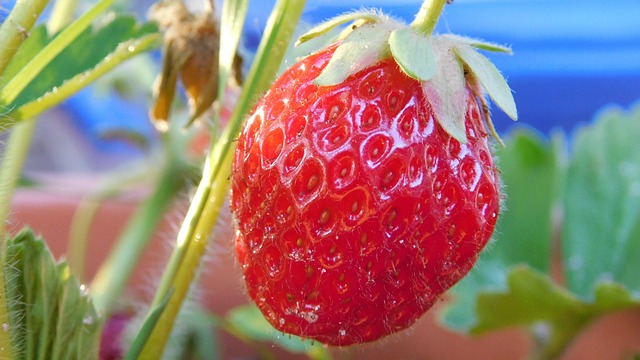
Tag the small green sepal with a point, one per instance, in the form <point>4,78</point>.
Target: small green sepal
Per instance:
<point>413,52</point>
<point>490,78</point>
<point>325,27</point>
<point>446,91</point>
<point>477,43</point>
<point>363,47</point>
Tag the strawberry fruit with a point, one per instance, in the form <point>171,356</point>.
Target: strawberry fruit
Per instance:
<point>361,193</point>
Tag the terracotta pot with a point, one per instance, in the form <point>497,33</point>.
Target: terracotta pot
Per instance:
<point>49,210</point>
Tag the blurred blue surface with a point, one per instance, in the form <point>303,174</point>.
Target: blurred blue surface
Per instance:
<point>571,58</point>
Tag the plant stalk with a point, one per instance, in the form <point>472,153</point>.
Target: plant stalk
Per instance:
<point>108,284</point>
<point>12,33</point>
<point>16,27</point>
<point>212,190</point>
<point>427,18</point>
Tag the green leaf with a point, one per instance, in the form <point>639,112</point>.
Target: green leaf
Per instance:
<point>93,52</point>
<point>530,297</point>
<point>34,67</point>
<point>533,298</point>
<point>602,204</point>
<point>249,322</point>
<point>365,46</point>
<point>530,173</point>
<point>51,316</point>
<point>490,78</point>
<point>414,53</point>
<point>329,25</point>
<point>446,91</point>
<point>57,94</point>
<point>480,44</point>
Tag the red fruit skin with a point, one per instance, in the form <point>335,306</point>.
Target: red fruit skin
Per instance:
<point>355,210</point>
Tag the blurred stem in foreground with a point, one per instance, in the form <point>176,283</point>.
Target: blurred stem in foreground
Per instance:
<point>16,27</point>
<point>12,33</point>
<point>212,190</point>
<point>110,281</point>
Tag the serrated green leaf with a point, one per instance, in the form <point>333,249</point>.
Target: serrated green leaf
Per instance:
<point>530,172</point>
<point>532,298</point>
<point>365,46</point>
<point>446,91</point>
<point>331,24</point>
<point>490,78</point>
<point>251,323</point>
<point>414,53</point>
<point>477,43</point>
<point>602,204</point>
<point>50,316</point>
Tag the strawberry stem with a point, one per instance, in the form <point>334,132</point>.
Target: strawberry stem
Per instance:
<point>428,15</point>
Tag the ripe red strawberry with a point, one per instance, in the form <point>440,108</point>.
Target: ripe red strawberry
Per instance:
<point>356,206</point>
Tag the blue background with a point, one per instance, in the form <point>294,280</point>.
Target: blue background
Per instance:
<point>571,59</point>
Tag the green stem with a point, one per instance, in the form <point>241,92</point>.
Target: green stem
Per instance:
<point>12,33</point>
<point>61,15</point>
<point>109,282</point>
<point>428,15</point>
<point>11,168</point>
<point>212,190</point>
<point>14,87</point>
<point>16,27</point>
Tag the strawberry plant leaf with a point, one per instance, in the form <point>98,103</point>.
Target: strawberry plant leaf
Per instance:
<point>413,52</point>
<point>331,24</point>
<point>490,78</point>
<point>529,297</point>
<point>249,321</point>
<point>15,86</point>
<point>477,43</point>
<point>602,204</point>
<point>89,49</point>
<point>56,95</point>
<point>533,298</point>
<point>365,46</point>
<point>446,92</point>
<point>531,176</point>
<point>50,314</point>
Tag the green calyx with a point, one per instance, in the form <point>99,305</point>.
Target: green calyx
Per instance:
<point>444,64</point>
